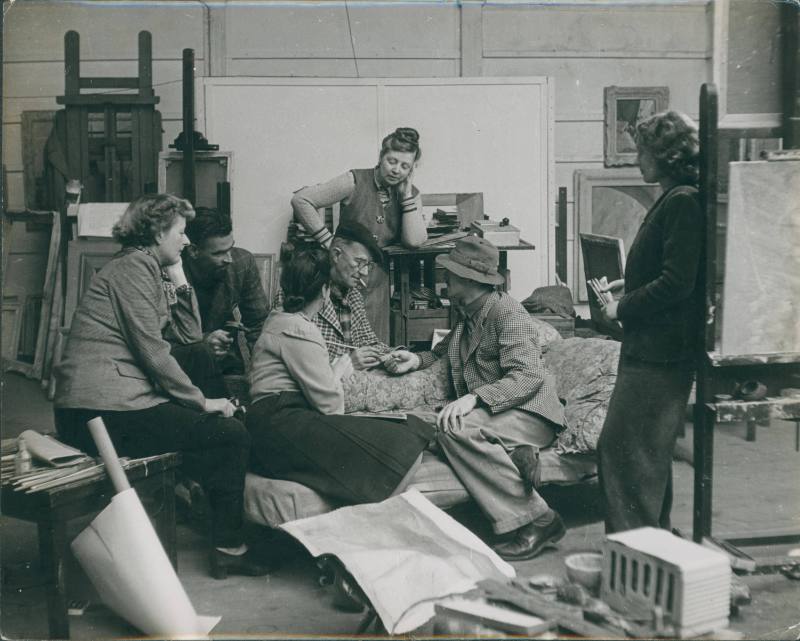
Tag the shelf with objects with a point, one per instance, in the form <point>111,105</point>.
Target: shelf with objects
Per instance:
<point>419,304</point>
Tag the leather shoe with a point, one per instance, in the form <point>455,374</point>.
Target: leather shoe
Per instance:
<point>526,458</point>
<point>530,539</point>
<point>245,564</point>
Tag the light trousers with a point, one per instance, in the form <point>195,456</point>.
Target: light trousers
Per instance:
<point>480,456</point>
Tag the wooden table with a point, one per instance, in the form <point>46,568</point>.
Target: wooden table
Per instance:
<point>153,478</point>
<point>410,325</point>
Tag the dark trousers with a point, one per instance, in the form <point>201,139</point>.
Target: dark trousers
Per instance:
<point>635,448</point>
<point>214,451</point>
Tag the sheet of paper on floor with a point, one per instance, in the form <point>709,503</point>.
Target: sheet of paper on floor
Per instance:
<point>405,554</point>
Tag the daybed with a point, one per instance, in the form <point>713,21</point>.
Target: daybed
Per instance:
<point>585,369</point>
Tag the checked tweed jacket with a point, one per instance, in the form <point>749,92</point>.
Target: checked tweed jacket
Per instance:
<point>504,366</point>
<point>327,319</point>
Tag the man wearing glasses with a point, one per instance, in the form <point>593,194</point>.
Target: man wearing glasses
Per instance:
<point>343,319</point>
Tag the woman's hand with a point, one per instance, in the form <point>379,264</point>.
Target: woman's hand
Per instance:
<point>602,288</point>
<point>175,273</point>
<point>342,367</point>
<point>365,357</point>
<point>402,361</point>
<point>610,310</point>
<point>615,286</point>
<point>450,418</point>
<point>405,188</point>
<point>220,406</point>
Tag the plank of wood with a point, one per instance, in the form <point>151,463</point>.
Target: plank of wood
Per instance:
<point>48,292</point>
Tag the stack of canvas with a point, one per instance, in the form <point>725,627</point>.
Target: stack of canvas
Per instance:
<point>651,568</point>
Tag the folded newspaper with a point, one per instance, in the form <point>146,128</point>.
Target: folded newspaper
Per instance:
<point>50,451</point>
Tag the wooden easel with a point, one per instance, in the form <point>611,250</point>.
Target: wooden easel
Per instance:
<point>715,371</point>
<point>129,162</point>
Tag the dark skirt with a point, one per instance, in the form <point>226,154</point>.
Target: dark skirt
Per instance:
<point>352,459</point>
<point>646,411</point>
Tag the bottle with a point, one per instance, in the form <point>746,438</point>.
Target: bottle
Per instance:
<point>22,460</point>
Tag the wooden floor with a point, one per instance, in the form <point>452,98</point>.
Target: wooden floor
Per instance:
<point>756,487</point>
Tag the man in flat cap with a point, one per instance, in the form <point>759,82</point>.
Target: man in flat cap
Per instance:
<point>343,318</point>
<point>507,406</point>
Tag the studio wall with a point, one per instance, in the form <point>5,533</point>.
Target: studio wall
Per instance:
<point>583,46</point>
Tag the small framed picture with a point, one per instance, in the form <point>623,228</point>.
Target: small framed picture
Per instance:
<point>626,107</point>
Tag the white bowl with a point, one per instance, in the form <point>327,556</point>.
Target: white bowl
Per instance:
<point>585,568</point>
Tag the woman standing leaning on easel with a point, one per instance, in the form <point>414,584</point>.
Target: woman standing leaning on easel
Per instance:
<point>659,311</point>
<point>384,200</point>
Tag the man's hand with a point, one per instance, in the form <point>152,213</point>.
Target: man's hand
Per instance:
<point>365,357</point>
<point>220,406</point>
<point>450,418</point>
<point>342,367</point>
<point>402,361</point>
<point>219,341</point>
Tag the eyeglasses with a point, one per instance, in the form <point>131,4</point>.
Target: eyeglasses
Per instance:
<point>362,264</point>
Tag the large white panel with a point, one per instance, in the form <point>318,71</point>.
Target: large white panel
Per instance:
<point>285,134</point>
<point>467,147</point>
<point>761,293</point>
<point>284,137</point>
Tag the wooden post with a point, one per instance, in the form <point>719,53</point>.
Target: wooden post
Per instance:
<point>704,417</point>
<point>188,125</point>
<point>790,74</point>
<point>561,235</point>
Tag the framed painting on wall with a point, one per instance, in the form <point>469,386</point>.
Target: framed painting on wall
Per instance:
<point>626,107</point>
<point>609,202</point>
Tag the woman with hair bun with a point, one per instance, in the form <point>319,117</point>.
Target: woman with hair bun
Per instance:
<point>296,421</point>
<point>661,312</point>
<point>384,200</point>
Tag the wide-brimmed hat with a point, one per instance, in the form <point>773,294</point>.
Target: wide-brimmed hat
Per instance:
<point>473,258</point>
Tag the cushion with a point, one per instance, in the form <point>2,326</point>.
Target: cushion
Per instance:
<point>378,391</point>
<point>272,502</point>
<point>585,371</point>
<point>547,334</point>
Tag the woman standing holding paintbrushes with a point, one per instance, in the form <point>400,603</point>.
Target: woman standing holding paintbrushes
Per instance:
<point>384,200</point>
<point>660,315</point>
